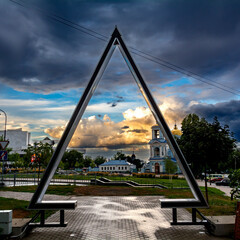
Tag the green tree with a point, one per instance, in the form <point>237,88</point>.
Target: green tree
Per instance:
<point>170,167</point>
<point>205,145</point>
<point>99,160</point>
<point>119,156</point>
<point>139,163</point>
<point>233,162</point>
<point>92,164</point>
<point>235,183</point>
<point>72,159</point>
<point>41,152</point>
<point>88,161</point>
<point>16,160</point>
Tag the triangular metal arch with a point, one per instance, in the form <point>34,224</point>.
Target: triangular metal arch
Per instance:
<point>115,41</point>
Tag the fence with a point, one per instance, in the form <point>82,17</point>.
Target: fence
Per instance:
<point>18,179</point>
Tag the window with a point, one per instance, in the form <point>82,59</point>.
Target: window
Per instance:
<point>156,152</point>
<point>119,168</point>
<point>125,168</point>
<point>104,168</point>
<point>110,168</point>
<point>113,168</point>
<point>156,133</point>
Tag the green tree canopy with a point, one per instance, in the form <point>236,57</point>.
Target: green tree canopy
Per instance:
<point>72,159</point>
<point>42,152</point>
<point>119,156</point>
<point>205,144</point>
<point>88,162</point>
<point>234,161</point>
<point>170,166</point>
<point>16,159</point>
<point>99,160</point>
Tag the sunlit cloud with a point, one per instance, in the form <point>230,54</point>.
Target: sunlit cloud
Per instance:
<point>134,129</point>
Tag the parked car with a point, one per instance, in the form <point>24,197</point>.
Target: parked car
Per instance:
<point>218,179</point>
<point>224,182</point>
<point>214,175</point>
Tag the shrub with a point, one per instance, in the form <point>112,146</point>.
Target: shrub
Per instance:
<point>167,176</point>
<point>144,175</point>
<point>103,174</point>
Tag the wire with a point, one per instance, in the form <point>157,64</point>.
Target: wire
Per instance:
<point>181,68</point>
<point>55,18</point>
<point>190,75</point>
<point>137,52</point>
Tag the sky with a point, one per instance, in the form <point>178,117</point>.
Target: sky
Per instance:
<point>46,63</point>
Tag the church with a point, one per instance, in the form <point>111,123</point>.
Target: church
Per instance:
<point>159,151</point>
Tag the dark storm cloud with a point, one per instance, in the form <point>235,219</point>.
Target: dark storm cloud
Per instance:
<point>38,54</point>
<point>115,102</point>
<point>138,131</point>
<point>226,112</point>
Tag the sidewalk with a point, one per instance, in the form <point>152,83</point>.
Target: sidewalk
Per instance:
<point>225,189</point>
<point>116,218</point>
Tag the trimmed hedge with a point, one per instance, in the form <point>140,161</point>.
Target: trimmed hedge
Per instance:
<point>153,175</point>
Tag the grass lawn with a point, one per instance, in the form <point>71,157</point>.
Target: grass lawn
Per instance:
<point>219,204</point>
<point>94,190</point>
<point>52,189</point>
<point>19,208</point>
<point>174,183</point>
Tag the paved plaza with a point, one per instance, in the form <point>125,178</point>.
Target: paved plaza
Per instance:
<point>115,218</point>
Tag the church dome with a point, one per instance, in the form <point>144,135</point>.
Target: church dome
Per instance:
<point>176,131</point>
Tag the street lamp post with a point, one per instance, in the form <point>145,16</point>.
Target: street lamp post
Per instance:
<point>5,131</point>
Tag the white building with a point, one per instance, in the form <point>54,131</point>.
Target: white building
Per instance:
<point>159,151</point>
<point>48,140</point>
<point>18,139</point>
<point>117,166</point>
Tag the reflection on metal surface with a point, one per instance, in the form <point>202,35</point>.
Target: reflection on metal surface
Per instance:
<point>115,41</point>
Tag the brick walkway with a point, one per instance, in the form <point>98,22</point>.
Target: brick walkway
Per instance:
<point>117,218</point>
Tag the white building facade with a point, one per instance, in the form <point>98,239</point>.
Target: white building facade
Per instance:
<point>159,151</point>
<point>18,139</point>
<point>116,166</point>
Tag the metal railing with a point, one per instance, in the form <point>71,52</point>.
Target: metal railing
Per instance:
<point>23,179</point>
<point>33,178</point>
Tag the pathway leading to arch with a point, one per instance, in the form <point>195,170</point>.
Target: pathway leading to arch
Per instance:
<point>116,218</point>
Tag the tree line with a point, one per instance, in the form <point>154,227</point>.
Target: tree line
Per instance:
<point>39,154</point>
<point>207,147</point>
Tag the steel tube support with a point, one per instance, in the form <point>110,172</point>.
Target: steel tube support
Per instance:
<point>174,215</point>
<point>194,215</point>
<point>61,217</point>
<point>42,217</point>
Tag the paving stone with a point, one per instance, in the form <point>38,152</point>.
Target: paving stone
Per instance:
<point>117,218</point>
<point>121,218</point>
